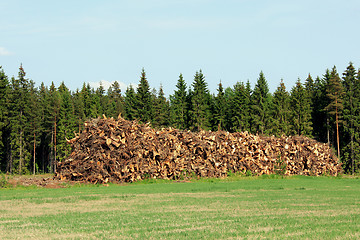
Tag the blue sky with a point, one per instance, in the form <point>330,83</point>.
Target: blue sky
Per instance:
<point>91,41</point>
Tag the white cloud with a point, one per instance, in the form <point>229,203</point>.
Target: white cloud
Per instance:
<point>5,52</point>
<point>107,84</point>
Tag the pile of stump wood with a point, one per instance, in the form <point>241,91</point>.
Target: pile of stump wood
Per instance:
<point>110,150</point>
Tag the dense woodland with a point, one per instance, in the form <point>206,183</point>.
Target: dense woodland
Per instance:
<point>36,121</point>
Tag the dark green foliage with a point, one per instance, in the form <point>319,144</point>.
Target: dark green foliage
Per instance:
<point>300,110</point>
<point>239,108</point>
<point>335,93</point>
<point>351,113</point>
<point>220,109</point>
<point>161,110</point>
<point>261,103</point>
<point>35,122</point>
<point>143,100</point>
<point>281,111</point>
<point>179,105</point>
<point>130,103</point>
<point>200,103</point>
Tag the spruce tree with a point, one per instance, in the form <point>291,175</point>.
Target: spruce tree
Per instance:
<point>53,118</point>
<point>281,111</point>
<point>300,110</point>
<point>240,108</point>
<point>260,103</point>
<point>66,123</point>
<point>161,109</point>
<point>318,114</point>
<point>351,115</point>
<point>335,94</point>
<point>116,100</point>
<point>200,100</point>
<point>4,119</point>
<point>220,109</point>
<point>130,103</point>
<point>143,100</point>
<point>20,157</point>
<point>179,105</point>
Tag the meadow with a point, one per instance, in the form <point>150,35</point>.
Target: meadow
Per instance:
<point>233,208</point>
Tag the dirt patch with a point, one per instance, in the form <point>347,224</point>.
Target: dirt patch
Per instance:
<point>43,180</point>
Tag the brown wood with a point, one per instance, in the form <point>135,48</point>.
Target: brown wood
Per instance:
<point>110,150</point>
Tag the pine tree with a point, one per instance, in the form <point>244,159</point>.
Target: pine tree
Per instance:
<point>335,94</point>
<point>260,102</point>
<point>143,99</point>
<point>179,105</point>
<point>301,110</point>
<point>281,111</point>
<point>200,100</point>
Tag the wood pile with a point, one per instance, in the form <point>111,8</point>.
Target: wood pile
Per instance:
<point>110,150</point>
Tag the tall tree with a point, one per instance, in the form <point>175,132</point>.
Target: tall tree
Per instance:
<point>143,99</point>
<point>335,94</point>
<point>240,108</point>
<point>116,100</point>
<point>219,115</point>
<point>260,102</point>
<point>161,106</point>
<point>54,103</point>
<point>179,105</point>
<point>19,121</point>
<point>200,100</point>
<point>4,119</point>
<point>281,111</point>
<point>130,103</point>
<point>301,110</point>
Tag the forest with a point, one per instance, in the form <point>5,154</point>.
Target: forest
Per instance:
<point>35,122</point>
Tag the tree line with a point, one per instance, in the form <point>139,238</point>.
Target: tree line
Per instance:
<point>35,122</point>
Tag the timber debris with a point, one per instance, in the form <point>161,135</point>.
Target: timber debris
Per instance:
<point>110,150</point>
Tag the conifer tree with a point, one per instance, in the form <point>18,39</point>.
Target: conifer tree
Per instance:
<point>219,115</point>
<point>34,127</point>
<point>351,115</point>
<point>4,119</point>
<point>281,111</point>
<point>240,108</point>
<point>301,111</point>
<point>335,94</point>
<point>116,100</point>
<point>179,105</point>
<point>260,102</point>
<point>318,114</point>
<point>79,110</point>
<point>130,103</point>
<point>54,104</point>
<point>200,100</point>
<point>67,121</point>
<point>20,157</point>
<point>143,99</point>
<point>161,117</point>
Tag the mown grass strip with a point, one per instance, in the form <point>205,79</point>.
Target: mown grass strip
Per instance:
<point>282,208</point>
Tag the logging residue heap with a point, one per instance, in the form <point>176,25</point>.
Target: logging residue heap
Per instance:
<point>110,150</point>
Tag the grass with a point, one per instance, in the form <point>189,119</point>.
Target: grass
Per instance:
<point>232,208</point>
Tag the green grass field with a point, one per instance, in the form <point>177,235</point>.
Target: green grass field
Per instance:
<point>235,208</point>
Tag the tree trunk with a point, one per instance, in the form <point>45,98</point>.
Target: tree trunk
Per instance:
<point>337,130</point>
<point>34,153</point>
<point>55,146</point>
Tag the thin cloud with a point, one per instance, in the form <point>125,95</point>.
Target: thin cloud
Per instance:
<point>5,52</point>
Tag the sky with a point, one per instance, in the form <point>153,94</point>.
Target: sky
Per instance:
<point>229,40</point>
